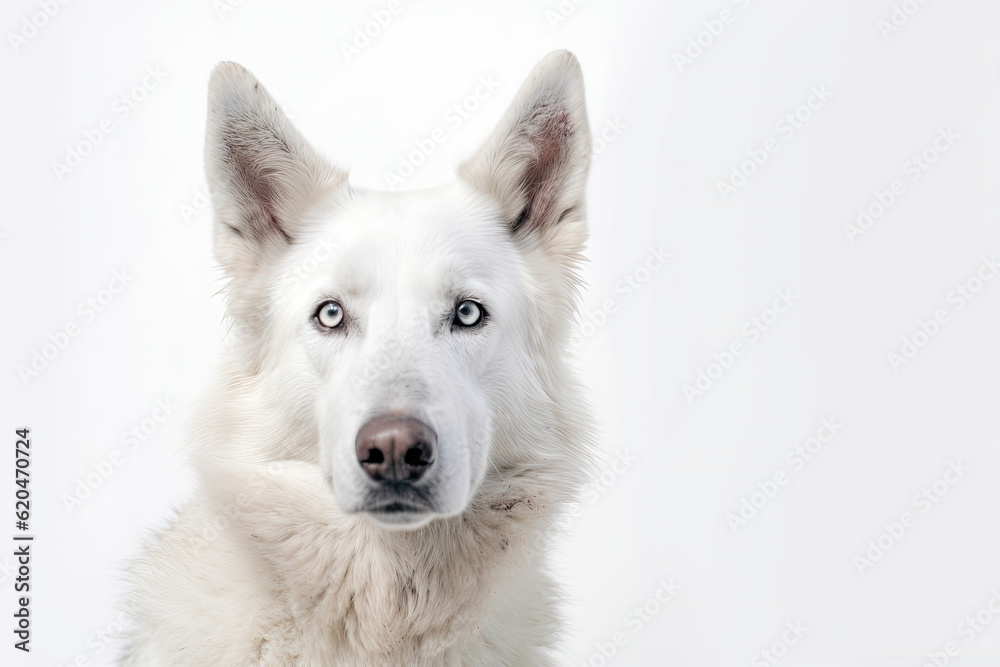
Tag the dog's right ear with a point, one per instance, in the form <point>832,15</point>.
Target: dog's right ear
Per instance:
<point>261,172</point>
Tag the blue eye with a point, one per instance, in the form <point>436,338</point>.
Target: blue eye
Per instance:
<point>468,314</point>
<point>330,314</point>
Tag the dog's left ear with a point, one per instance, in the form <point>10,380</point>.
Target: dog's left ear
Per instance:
<point>535,163</point>
<point>262,173</point>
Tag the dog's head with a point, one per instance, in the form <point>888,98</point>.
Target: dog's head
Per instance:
<point>401,331</point>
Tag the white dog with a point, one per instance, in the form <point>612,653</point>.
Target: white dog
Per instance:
<point>395,430</point>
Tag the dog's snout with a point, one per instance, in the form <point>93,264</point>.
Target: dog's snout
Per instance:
<point>393,448</point>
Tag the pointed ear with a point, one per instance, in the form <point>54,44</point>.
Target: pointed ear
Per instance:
<point>535,162</point>
<point>261,172</point>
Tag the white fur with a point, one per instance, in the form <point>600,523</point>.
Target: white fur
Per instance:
<point>271,562</point>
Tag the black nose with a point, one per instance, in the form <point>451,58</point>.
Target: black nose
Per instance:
<point>393,448</point>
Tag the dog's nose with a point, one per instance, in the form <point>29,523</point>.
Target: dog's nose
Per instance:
<point>393,448</point>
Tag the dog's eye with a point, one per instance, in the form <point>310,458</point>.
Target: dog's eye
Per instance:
<point>330,314</point>
<point>468,314</point>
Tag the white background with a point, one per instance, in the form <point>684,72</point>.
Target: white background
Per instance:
<point>655,183</point>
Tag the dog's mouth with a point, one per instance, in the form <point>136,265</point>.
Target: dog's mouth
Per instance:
<point>400,515</point>
<point>398,507</point>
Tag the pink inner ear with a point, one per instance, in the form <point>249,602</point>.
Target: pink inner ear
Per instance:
<point>549,133</point>
<point>248,164</point>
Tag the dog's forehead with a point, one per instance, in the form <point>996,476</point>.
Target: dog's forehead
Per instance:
<point>411,240</point>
